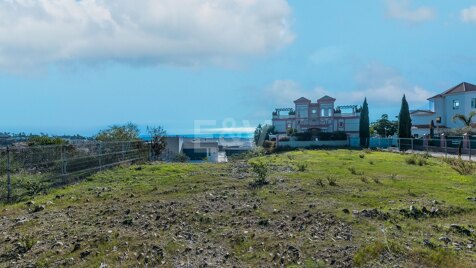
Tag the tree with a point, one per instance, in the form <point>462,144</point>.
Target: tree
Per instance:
<point>127,132</point>
<point>257,134</point>
<point>364,125</point>
<point>262,133</point>
<point>291,131</point>
<point>432,128</point>
<point>404,121</point>
<point>384,127</point>
<point>45,140</point>
<point>158,140</point>
<point>466,120</point>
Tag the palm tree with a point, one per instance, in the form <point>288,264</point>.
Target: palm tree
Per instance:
<point>464,119</point>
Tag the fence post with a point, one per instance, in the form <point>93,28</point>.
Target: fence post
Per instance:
<point>151,158</point>
<point>469,149</point>
<point>9,181</point>
<point>412,144</point>
<point>100,156</point>
<point>123,152</point>
<point>63,166</point>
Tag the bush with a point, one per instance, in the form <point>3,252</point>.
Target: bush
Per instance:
<point>45,140</point>
<point>416,160</point>
<point>376,180</point>
<point>362,155</point>
<point>461,166</point>
<point>269,146</point>
<point>261,170</point>
<point>332,181</point>
<point>181,158</point>
<point>320,182</point>
<point>302,167</point>
<point>303,136</point>
<point>332,136</point>
<point>125,132</point>
<point>364,179</point>
<point>352,170</point>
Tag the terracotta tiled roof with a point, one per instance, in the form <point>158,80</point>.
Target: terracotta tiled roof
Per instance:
<point>422,111</point>
<point>302,100</point>
<point>463,87</point>
<point>326,98</point>
<point>426,126</point>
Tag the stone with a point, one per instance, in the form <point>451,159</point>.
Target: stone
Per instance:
<point>445,239</point>
<point>38,208</point>
<point>84,254</point>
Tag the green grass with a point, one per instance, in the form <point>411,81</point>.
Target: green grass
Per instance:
<point>163,214</point>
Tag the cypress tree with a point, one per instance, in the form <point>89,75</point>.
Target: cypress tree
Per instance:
<point>404,121</point>
<point>432,129</point>
<point>364,126</point>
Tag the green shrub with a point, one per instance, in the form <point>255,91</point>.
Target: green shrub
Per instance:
<point>415,159</point>
<point>461,166</point>
<point>352,170</point>
<point>320,182</point>
<point>45,140</point>
<point>302,167</point>
<point>376,180</point>
<point>332,181</point>
<point>261,170</point>
<point>181,158</point>
<point>364,179</point>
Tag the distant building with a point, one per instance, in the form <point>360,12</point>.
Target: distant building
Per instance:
<point>319,116</point>
<point>460,99</point>
<point>195,149</point>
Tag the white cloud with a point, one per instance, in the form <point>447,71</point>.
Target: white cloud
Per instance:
<point>40,32</point>
<point>382,86</point>
<point>469,14</point>
<point>401,10</point>
<point>327,55</point>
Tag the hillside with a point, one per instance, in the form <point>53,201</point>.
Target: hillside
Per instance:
<point>321,208</point>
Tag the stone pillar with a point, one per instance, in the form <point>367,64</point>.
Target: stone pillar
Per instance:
<point>443,140</point>
<point>466,141</point>
<point>425,140</point>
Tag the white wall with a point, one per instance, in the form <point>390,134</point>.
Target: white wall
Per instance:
<point>304,144</point>
<point>423,119</point>
<point>279,126</point>
<point>352,124</point>
<point>450,112</point>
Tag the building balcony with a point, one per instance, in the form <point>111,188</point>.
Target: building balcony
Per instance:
<point>282,116</point>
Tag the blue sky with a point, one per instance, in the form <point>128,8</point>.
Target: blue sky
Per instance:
<point>79,66</point>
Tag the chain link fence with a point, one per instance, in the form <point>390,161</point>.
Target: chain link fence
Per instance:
<point>26,171</point>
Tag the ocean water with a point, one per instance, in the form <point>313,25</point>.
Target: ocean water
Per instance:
<point>242,136</point>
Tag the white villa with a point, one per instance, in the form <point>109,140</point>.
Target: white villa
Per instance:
<point>320,116</point>
<point>460,99</point>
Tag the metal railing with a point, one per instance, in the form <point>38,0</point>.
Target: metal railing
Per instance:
<point>451,146</point>
<point>30,170</point>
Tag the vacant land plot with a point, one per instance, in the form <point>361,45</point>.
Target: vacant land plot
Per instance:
<point>314,209</point>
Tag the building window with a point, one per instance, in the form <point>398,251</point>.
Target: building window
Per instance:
<point>455,104</point>
<point>323,112</point>
<point>341,124</point>
<point>329,111</point>
<point>473,103</point>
